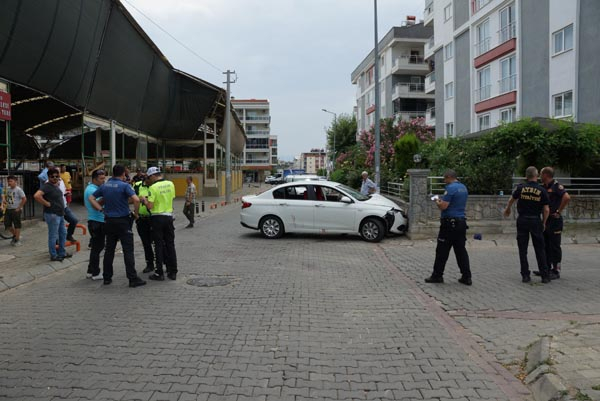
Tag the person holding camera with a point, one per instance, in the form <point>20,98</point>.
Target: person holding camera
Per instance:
<point>453,230</point>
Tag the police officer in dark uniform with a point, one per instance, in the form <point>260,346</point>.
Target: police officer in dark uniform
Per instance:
<point>532,200</point>
<point>453,230</point>
<point>143,224</point>
<point>559,199</point>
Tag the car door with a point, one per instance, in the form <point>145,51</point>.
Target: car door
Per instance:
<point>297,209</point>
<point>331,214</point>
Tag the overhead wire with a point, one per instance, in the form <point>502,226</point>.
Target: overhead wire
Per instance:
<point>173,37</point>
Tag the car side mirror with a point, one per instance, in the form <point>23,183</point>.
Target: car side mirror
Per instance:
<point>345,199</point>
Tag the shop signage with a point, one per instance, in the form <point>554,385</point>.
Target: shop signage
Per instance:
<point>5,106</point>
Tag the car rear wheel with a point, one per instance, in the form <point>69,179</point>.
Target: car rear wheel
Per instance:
<point>271,227</point>
<point>372,230</point>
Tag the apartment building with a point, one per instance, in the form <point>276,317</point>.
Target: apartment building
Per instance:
<point>260,152</point>
<point>401,79</point>
<point>312,161</point>
<point>498,60</point>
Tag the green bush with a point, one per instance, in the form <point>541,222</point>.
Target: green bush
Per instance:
<point>405,148</point>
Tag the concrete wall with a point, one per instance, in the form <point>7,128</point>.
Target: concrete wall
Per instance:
<point>588,91</point>
<point>534,52</point>
<point>440,130</point>
<point>462,84</point>
<point>461,13</point>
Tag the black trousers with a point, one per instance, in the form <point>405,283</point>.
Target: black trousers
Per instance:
<point>119,229</point>
<point>97,240</point>
<point>163,233</point>
<point>552,239</point>
<point>453,234</point>
<point>188,211</point>
<point>526,226</point>
<point>144,229</point>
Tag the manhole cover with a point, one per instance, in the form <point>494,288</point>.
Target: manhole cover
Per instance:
<point>209,281</point>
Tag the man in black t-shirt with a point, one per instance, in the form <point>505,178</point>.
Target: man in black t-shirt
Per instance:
<point>532,200</point>
<point>51,197</point>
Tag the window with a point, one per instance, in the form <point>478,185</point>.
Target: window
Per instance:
<point>507,24</point>
<point>484,121</point>
<point>563,104</point>
<point>508,74</point>
<point>508,115</point>
<point>449,51</point>
<point>449,129</point>
<point>563,39</point>
<point>450,90</point>
<point>483,38</point>
<point>448,12</point>
<point>484,91</point>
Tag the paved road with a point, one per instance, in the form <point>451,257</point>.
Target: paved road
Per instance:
<point>304,317</point>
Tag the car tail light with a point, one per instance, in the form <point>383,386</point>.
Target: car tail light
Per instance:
<point>246,204</point>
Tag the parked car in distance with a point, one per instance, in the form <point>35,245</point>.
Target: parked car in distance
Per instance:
<point>301,177</point>
<point>321,207</point>
<point>270,179</point>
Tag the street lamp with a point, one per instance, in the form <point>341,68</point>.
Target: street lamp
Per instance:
<point>333,131</point>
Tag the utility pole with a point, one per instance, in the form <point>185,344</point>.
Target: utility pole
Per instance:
<point>377,101</point>
<point>228,136</point>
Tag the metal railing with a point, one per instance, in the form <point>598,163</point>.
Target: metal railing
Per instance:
<point>257,132</point>
<point>483,93</point>
<point>508,84</point>
<point>258,118</point>
<point>506,33</point>
<point>430,78</point>
<point>409,87</point>
<point>431,112</point>
<point>482,47</point>
<point>409,60</point>
<point>395,188</point>
<point>408,115</point>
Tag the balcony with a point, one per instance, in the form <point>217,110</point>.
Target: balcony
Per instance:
<point>504,43</point>
<point>258,118</point>
<point>258,147</point>
<point>483,93</point>
<point>257,132</point>
<point>410,90</point>
<point>408,115</point>
<point>410,65</point>
<point>428,13</point>
<point>430,82</point>
<point>429,47</point>
<point>255,161</point>
<point>430,116</point>
<point>508,84</point>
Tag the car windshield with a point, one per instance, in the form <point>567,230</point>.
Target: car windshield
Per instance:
<point>353,192</point>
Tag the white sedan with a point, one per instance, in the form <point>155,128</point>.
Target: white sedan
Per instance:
<point>322,207</point>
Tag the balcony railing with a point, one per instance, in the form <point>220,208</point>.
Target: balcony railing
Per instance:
<point>409,88</point>
<point>431,42</point>
<point>482,47</point>
<point>408,115</point>
<point>508,84</point>
<point>257,132</point>
<point>409,60</point>
<point>430,78</point>
<point>507,33</point>
<point>258,161</point>
<point>483,93</point>
<point>430,112</point>
<point>258,146</point>
<point>258,118</point>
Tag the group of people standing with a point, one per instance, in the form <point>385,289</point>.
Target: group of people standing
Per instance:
<point>110,220</point>
<point>539,207</point>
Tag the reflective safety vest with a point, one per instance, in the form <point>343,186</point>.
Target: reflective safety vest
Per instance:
<point>161,194</point>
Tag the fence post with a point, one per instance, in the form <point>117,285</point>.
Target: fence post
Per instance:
<point>419,199</point>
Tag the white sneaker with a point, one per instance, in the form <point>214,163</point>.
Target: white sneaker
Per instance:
<point>89,275</point>
<point>98,277</point>
<point>17,243</point>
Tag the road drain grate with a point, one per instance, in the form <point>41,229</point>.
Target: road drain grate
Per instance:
<point>210,281</point>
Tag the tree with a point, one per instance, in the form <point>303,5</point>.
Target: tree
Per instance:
<point>343,130</point>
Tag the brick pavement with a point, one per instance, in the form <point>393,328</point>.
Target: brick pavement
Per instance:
<point>305,317</point>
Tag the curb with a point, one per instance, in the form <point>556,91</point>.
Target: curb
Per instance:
<point>544,384</point>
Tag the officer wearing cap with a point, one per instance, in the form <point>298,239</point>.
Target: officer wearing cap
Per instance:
<point>160,204</point>
<point>532,200</point>
<point>117,223</point>
<point>95,225</point>
<point>143,224</point>
<point>558,200</point>
<point>453,230</point>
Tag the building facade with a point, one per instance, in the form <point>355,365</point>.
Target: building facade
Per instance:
<point>402,76</point>
<point>312,161</point>
<point>499,60</point>
<point>260,152</point>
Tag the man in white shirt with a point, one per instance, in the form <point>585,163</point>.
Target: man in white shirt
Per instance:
<point>367,187</point>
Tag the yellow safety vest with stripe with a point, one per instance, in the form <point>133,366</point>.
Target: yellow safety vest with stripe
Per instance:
<point>142,190</point>
<point>161,194</point>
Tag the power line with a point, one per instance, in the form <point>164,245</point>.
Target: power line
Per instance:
<point>174,38</point>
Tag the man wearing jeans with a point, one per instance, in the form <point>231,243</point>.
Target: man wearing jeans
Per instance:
<point>95,226</point>
<point>51,197</point>
<point>190,201</point>
<point>117,223</point>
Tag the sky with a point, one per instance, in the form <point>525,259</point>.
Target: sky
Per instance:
<point>298,54</point>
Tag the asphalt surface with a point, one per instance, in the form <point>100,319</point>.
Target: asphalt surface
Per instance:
<point>303,317</point>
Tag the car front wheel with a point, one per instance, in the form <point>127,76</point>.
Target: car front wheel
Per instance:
<point>371,230</point>
<point>271,227</point>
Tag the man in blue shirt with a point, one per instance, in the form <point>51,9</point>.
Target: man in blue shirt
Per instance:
<point>453,230</point>
<point>95,225</point>
<point>117,223</point>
